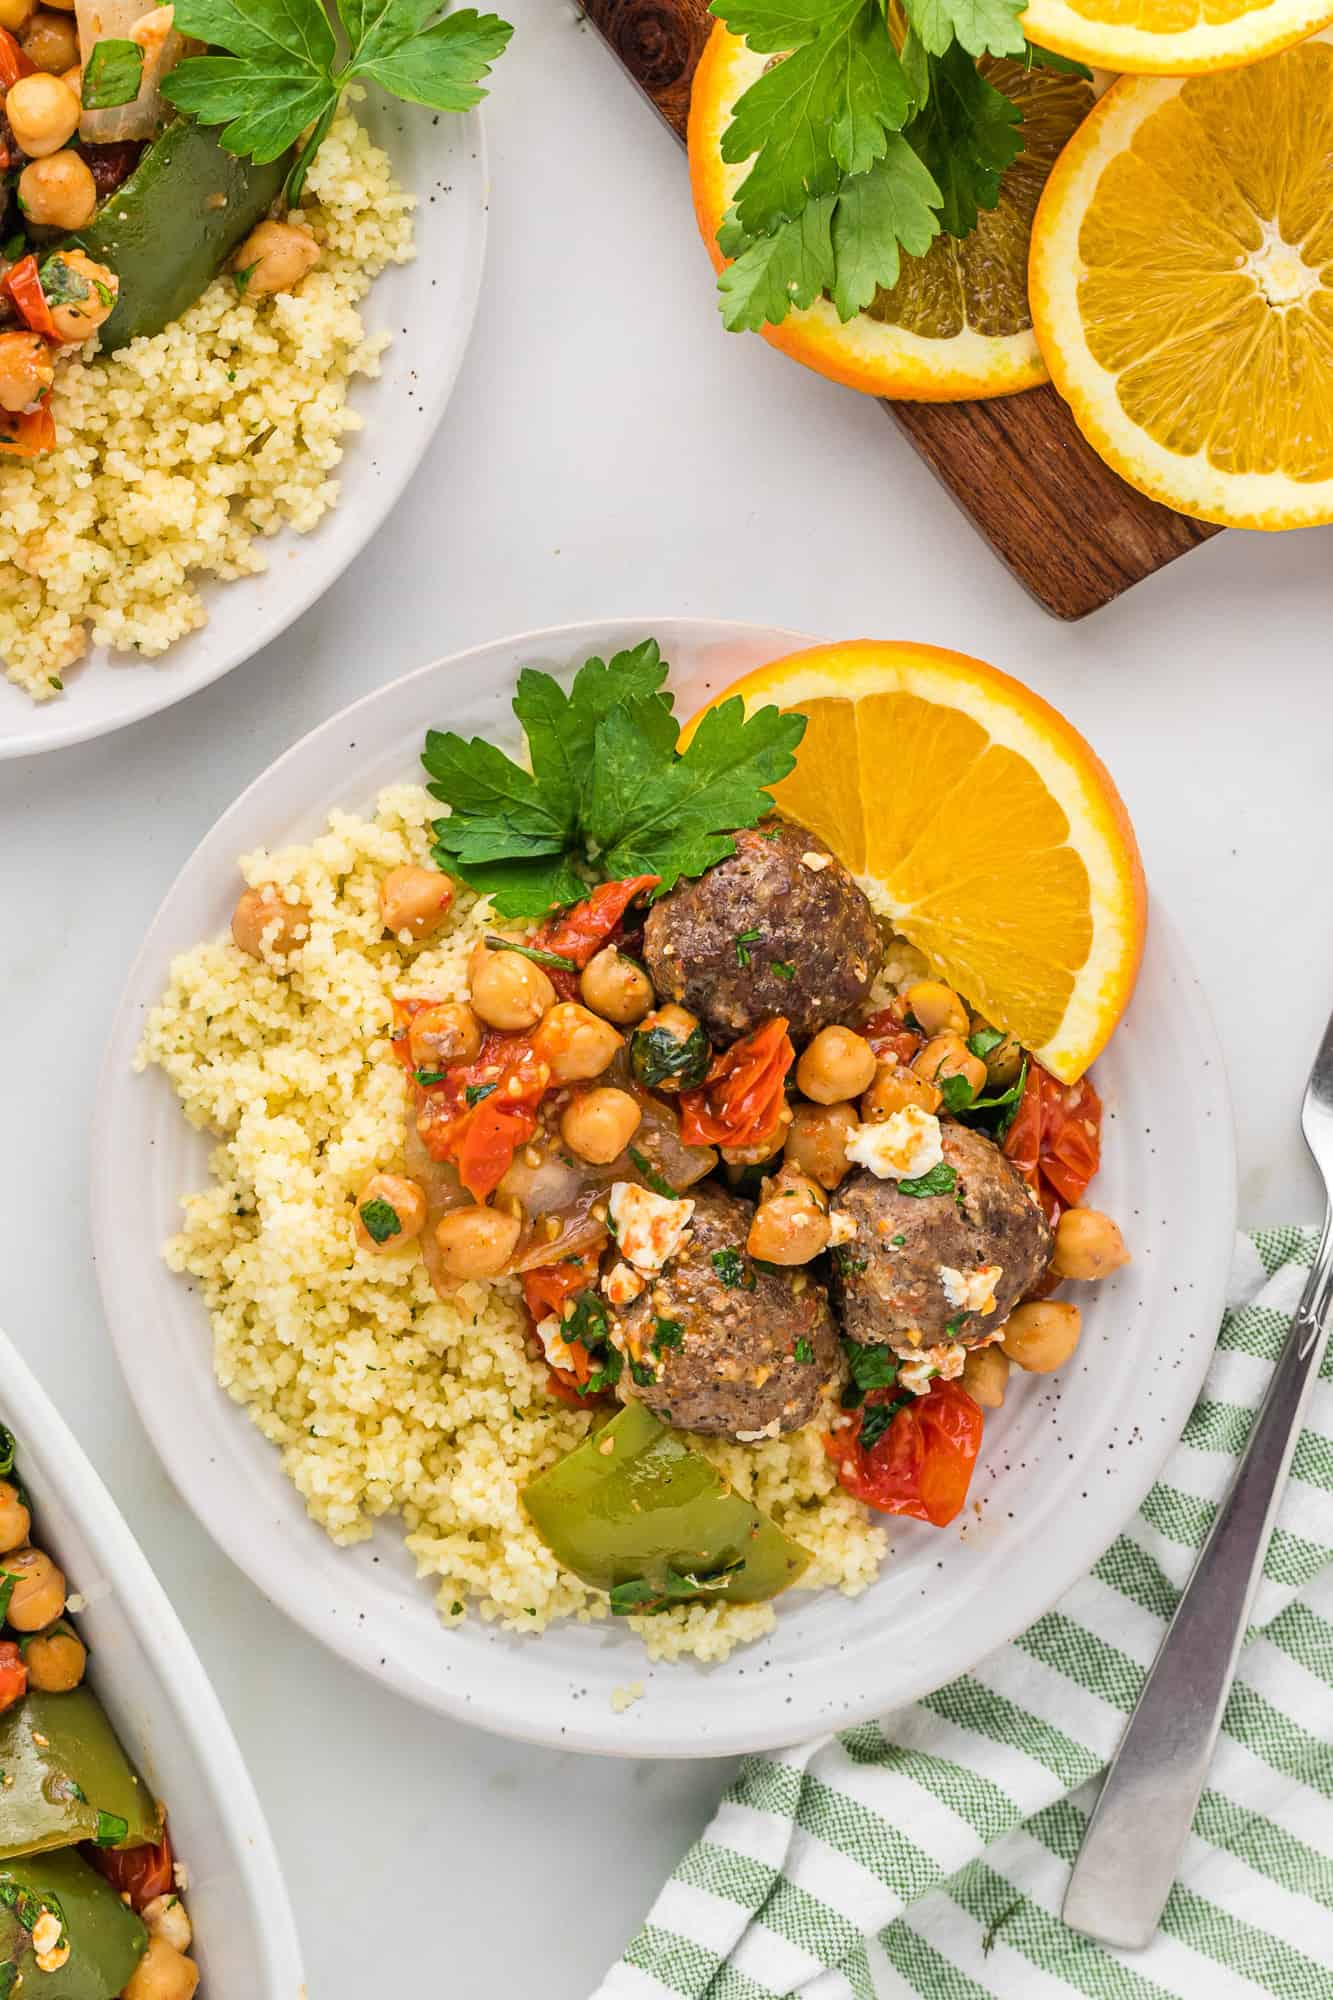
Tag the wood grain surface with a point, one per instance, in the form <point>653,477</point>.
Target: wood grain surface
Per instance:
<point>1068,528</point>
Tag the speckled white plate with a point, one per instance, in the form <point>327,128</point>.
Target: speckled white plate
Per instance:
<point>428,306</point>
<point>149,1678</point>
<point>1064,1465</point>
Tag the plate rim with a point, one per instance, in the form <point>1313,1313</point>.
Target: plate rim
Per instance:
<point>381,500</point>
<point>587,1731</point>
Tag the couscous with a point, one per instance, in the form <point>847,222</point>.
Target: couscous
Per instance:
<point>530,1223</point>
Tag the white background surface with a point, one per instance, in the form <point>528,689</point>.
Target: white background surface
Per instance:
<point>610,451</point>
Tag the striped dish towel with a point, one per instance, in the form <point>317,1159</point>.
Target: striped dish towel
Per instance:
<point>927,1854</point>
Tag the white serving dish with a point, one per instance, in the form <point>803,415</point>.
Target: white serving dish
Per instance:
<point>1064,1465</point>
<point>150,1680</point>
<point>428,306</point>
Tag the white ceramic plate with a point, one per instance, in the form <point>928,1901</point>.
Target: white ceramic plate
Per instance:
<point>164,1709</point>
<point>1064,1464</point>
<point>428,306</point>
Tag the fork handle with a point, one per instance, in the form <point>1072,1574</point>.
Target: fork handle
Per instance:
<point>1138,1829</point>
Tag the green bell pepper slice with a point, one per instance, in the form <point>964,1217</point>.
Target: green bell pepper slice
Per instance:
<point>167,231</point>
<point>636,1512</point>
<point>71,1780</point>
<point>106,1941</point>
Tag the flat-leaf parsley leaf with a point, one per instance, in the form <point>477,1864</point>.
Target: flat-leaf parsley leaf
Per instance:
<point>274,66</point>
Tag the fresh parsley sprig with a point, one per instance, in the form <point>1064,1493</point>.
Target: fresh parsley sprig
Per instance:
<point>608,794</point>
<point>275,68</point>
<point>863,147</point>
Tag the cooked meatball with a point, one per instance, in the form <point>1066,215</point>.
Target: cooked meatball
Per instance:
<point>781,900</point>
<point>732,1350</point>
<point>890,1281</point>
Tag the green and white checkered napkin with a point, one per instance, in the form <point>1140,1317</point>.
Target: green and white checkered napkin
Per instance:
<point>927,1854</point>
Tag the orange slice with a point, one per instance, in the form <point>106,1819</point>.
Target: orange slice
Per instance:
<point>1182,286</point>
<point>1171,37</point>
<point>980,822</point>
<point>957,322</point>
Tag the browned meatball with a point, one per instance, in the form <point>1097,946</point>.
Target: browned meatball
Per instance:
<point>779,927</point>
<point>887,1278</point>
<point>723,1347</point>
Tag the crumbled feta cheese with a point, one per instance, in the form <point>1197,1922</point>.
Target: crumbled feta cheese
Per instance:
<point>946,1361</point>
<point>50,1953</point>
<point>842,1228</point>
<point>622,1284</point>
<point>771,1430</point>
<point>554,1345</point>
<point>906,1145</point>
<point>649,1228</point>
<point>76,1602</point>
<point>971,1291</point>
<point>815,862</point>
<point>624,1697</point>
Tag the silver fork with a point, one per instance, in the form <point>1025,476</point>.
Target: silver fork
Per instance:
<point>1137,1832</point>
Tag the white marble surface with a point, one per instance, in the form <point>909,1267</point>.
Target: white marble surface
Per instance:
<point>610,451</point>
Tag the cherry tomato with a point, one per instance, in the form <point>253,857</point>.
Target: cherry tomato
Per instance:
<point>550,1287</point>
<point>741,1098</point>
<point>28,434</point>
<point>13,62</point>
<point>13,1675</point>
<point>25,289</point>
<point>479,1113</point>
<point>888,1035</point>
<point>922,1464</point>
<point>141,1873</point>
<point>587,926</point>
<point>1055,1139</point>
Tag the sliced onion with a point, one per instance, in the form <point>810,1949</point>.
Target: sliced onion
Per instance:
<point>154,30</point>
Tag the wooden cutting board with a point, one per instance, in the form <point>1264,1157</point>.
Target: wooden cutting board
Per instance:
<point>1068,528</point>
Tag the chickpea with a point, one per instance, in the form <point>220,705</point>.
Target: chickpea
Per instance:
<point>894,1088</point>
<point>817,1141</point>
<point>791,1223</point>
<point>58,192</point>
<point>836,1065</point>
<point>263,920</point>
<point>55,1660</point>
<point>438,1036</point>
<point>51,41</point>
<point>65,6</point>
<point>680,1024</point>
<point>15,14</point>
<point>576,1043</point>
<point>508,990</point>
<point>986,1376</point>
<point>43,113</point>
<point>163,1973</point>
<point>936,1008</point>
<point>166,1917</point>
<point>1004,1061</point>
<point>1042,1335</point>
<point>599,1124</point>
<point>74,78</point>
<point>14,1518</point>
<point>26,370</point>
<point>949,1055</point>
<point>477,1242</point>
<point>1087,1245</point>
<point>80,293</point>
<point>415,900</point>
<point>406,1200</point>
<point>38,1596</point>
<point>616,987</point>
<point>275,256</point>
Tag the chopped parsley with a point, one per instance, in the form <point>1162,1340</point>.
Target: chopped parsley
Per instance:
<point>940,1180</point>
<point>110,1829</point>
<point>644,1374</point>
<point>426,1077</point>
<point>957,1092</point>
<point>898,1241</point>
<point>556,961</point>
<point>871,1367</point>
<point>845,1261</point>
<point>474,1092</point>
<point>667,1333</point>
<point>658,1057</point>
<point>241,279</point>
<point>744,939</point>
<point>637,1594</point>
<point>803,1350</point>
<point>733,1270</point>
<point>112,74</point>
<point>657,1182</point>
<point>985,1041</point>
<point>7,1450</point>
<point>783,968</point>
<point>380,1220</point>
<point>876,1418</point>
